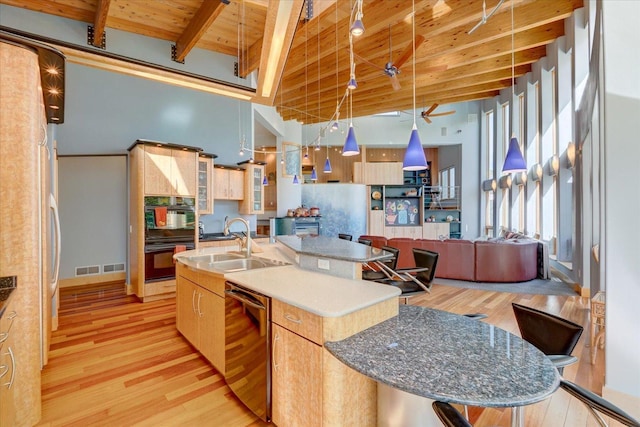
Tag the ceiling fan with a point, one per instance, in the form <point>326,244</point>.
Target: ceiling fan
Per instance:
<point>427,114</point>
<point>484,17</point>
<point>392,68</point>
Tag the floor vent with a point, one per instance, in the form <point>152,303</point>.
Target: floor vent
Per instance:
<point>112,268</point>
<point>89,270</point>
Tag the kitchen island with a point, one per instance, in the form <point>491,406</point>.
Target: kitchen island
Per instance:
<point>309,385</point>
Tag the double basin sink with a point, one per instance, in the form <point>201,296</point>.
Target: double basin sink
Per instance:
<point>230,262</point>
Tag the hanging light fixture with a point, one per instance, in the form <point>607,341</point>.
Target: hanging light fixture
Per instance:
<point>514,161</point>
<point>327,163</point>
<point>414,158</point>
<point>350,147</point>
<point>314,175</point>
<point>357,27</point>
<point>265,181</point>
<point>295,179</point>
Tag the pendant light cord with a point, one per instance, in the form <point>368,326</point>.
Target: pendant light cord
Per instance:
<point>413,43</point>
<point>513,63</point>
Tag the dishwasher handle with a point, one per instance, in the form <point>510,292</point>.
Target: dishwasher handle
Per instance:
<point>244,297</point>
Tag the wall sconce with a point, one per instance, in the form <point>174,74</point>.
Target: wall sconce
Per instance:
<point>489,185</point>
<point>553,165</point>
<point>536,172</point>
<point>571,155</point>
<point>504,182</point>
<point>520,178</point>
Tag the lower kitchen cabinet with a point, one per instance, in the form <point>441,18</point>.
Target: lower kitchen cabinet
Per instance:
<point>200,314</point>
<point>296,379</point>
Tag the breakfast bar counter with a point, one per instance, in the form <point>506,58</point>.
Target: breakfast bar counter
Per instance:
<point>448,357</point>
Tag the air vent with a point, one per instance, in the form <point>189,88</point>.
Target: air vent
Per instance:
<point>89,270</point>
<point>112,268</point>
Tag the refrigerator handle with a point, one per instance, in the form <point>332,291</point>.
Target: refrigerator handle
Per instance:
<point>56,263</point>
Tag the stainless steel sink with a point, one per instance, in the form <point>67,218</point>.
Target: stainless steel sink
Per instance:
<point>211,258</point>
<point>242,264</point>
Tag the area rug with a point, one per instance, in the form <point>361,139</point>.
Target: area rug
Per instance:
<point>554,286</point>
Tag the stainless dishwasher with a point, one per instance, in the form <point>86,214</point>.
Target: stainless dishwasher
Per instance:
<point>248,348</point>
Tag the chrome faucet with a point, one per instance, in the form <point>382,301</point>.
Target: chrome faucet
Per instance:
<point>244,244</point>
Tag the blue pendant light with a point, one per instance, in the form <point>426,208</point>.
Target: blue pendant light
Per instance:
<point>265,181</point>
<point>295,179</point>
<point>350,144</point>
<point>357,28</point>
<point>327,166</point>
<point>514,162</point>
<point>414,158</point>
<point>314,175</point>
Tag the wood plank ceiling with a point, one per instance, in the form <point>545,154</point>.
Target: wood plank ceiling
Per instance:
<point>452,63</point>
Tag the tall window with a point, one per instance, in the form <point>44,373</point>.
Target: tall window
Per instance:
<point>521,189</point>
<point>554,133</point>
<point>537,195</point>
<point>448,182</point>
<point>489,201</point>
<point>504,201</point>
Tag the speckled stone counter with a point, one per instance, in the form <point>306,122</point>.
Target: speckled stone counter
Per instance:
<point>330,255</point>
<point>7,286</point>
<point>332,247</point>
<point>448,357</point>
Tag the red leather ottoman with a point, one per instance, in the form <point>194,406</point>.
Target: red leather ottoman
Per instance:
<point>506,261</point>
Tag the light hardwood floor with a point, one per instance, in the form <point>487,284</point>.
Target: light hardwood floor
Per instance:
<point>117,362</point>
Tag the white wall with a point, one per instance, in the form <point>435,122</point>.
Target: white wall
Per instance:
<point>622,204</point>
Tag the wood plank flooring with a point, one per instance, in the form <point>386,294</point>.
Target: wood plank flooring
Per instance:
<point>117,362</point>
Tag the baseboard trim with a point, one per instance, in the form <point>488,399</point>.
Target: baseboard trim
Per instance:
<point>92,280</point>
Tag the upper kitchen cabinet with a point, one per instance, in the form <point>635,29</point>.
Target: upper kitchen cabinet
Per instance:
<point>205,183</point>
<point>168,169</point>
<point>229,183</point>
<point>253,202</point>
<point>378,173</point>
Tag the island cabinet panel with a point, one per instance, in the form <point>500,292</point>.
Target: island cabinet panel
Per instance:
<point>309,385</point>
<point>297,380</point>
<point>200,313</point>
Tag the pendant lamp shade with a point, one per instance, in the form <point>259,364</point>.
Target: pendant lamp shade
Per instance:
<point>327,166</point>
<point>414,158</point>
<point>265,181</point>
<point>352,83</point>
<point>314,175</point>
<point>295,179</point>
<point>357,28</point>
<point>350,144</point>
<point>514,162</point>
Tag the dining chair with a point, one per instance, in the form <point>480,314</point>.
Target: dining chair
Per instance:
<point>348,237</point>
<point>418,280</point>
<point>597,405</point>
<point>449,416</point>
<point>381,268</point>
<point>554,336</point>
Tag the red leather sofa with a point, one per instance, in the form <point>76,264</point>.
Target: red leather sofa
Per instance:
<point>479,261</point>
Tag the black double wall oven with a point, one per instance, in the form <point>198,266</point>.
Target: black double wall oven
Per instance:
<point>170,226</point>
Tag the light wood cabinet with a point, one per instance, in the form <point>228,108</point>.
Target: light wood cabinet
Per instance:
<point>433,230</point>
<point>228,183</point>
<point>200,314</point>
<point>376,222</point>
<point>205,184</point>
<point>378,173</point>
<point>169,171</point>
<point>406,232</point>
<point>296,379</point>
<point>253,201</point>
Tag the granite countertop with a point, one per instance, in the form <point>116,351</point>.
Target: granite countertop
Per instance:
<point>318,293</point>
<point>7,286</point>
<point>448,357</point>
<point>334,248</point>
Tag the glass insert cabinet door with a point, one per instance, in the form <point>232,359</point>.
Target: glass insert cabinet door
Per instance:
<point>256,188</point>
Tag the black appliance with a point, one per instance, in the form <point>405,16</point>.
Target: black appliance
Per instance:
<point>170,225</point>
